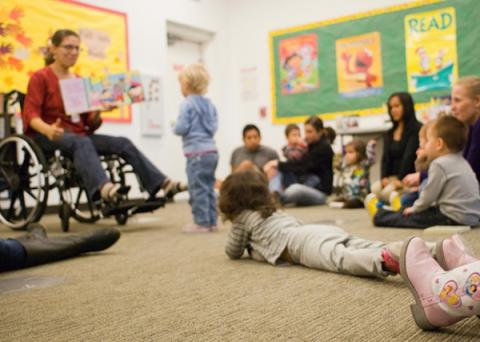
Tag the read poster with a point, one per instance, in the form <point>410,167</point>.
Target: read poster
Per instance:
<point>431,48</point>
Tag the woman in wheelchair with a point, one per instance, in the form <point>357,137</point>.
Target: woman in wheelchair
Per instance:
<point>46,121</point>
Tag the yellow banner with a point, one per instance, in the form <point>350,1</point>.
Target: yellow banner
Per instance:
<point>431,48</point>
<point>26,26</point>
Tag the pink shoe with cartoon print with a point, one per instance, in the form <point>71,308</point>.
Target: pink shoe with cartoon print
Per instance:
<point>442,297</point>
<point>451,253</point>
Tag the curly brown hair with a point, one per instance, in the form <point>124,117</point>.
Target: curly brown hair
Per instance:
<point>245,190</point>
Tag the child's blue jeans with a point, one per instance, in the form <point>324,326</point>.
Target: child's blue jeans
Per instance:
<point>201,187</point>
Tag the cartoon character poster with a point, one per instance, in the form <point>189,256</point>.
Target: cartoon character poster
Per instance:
<point>359,65</point>
<point>431,48</point>
<point>299,64</point>
<point>26,27</point>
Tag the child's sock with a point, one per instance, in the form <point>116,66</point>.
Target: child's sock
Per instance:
<point>395,201</point>
<point>390,261</point>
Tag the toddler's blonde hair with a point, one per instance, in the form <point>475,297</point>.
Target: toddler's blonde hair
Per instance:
<point>196,78</point>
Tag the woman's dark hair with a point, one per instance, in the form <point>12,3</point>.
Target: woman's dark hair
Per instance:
<point>245,190</point>
<point>56,40</point>
<point>408,108</point>
<point>250,127</point>
<point>330,134</point>
<point>315,122</point>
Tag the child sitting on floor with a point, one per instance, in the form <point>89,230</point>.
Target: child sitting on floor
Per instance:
<point>295,150</point>
<point>399,201</point>
<point>353,175</point>
<point>450,196</point>
<point>275,237</point>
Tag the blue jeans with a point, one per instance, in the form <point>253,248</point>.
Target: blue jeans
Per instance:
<point>12,255</point>
<point>282,180</point>
<point>84,151</point>
<point>201,187</point>
<point>303,195</point>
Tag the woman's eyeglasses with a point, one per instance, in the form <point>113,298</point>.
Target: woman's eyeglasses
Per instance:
<point>71,48</point>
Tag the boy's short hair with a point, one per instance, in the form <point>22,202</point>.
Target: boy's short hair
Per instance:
<point>250,127</point>
<point>291,127</point>
<point>196,77</point>
<point>452,131</point>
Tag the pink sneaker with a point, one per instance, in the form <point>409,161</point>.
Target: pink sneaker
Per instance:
<point>451,253</point>
<point>195,228</point>
<point>439,295</point>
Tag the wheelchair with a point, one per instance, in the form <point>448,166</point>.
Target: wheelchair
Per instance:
<point>27,176</point>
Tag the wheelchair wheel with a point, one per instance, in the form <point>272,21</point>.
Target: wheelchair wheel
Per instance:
<point>81,207</point>
<point>23,182</point>
<point>121,218</point>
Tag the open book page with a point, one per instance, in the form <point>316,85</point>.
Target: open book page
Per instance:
<point>81,95</point>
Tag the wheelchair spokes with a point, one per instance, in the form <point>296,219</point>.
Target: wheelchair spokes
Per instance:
<point>23,182</point>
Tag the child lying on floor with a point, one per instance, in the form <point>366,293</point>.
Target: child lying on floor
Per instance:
<point>275,237</point>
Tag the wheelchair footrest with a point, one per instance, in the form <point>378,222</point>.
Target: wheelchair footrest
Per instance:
<point>149,206</point>
<point>120,209</point>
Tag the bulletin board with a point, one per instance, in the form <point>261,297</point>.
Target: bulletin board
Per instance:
<point>350,65</point>
<point>26,27</point>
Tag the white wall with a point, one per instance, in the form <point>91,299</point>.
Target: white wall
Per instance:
<point>241,30</point>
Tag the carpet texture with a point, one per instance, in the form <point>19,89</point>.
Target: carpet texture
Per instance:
<point>157,284</point>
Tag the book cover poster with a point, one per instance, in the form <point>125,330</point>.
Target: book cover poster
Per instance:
<point>359,65</point>
<point>299,64</point>
<point>431,50</point>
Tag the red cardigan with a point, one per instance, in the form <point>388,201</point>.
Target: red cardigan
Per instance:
<point>44,100</point>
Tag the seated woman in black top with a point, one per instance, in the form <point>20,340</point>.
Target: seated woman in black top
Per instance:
<point>313,173</point>
<point>400,145</point>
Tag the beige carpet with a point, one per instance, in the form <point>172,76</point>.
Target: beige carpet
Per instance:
<point>157,284</point>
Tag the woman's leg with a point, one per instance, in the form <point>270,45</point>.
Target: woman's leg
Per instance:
<point>85,159</point>
<point>152,178</point>
<point>303,195</point>
<point>12,255</point>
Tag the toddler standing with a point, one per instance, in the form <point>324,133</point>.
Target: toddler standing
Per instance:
<point>197,124</point>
